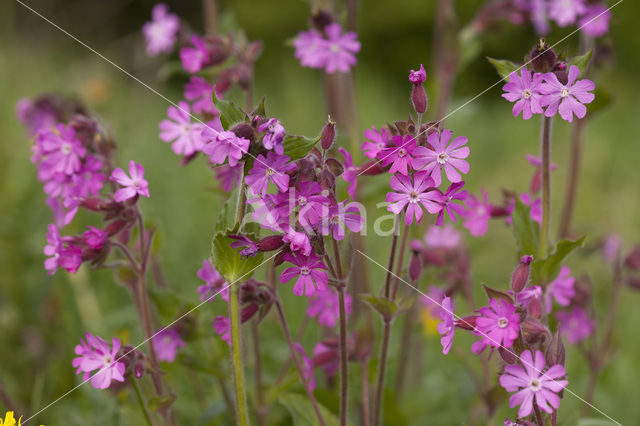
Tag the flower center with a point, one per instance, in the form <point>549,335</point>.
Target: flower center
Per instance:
<point>136,183</point>
<point>535,385</point>
<point>302,201</point>
<point>335,48</point>
<point>305,270</point>
<point>564,93</point>
<point>442,158</point>
<point>107,359</point>
<point>413,197</point>
<point>270,172</point>
<point>65,148</point>
<point>526,94</point>
<point>402,152</point>
<point>334,219</point>
<point>503,322</point>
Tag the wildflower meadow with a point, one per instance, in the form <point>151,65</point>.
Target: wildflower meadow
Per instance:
<point>347,212</point>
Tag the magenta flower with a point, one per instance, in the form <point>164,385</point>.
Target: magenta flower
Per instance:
<point>339,216</point>
<point>432,301</point>
<point>309,47</point>
<point>274,135</point>
<point>133,186</point>
<point>447,326</point>
<point>534,204</point>
<point>499,324</point>
<point>575,324</point>
<point>442,237</point>
<point>95,354</point>
<point>568,98</point>
<point>324,306</point>
<point>418,77</point>
<point>274,169</point>
<point>166,343</point>
<point>339,50</point>
<point>566,12</point>
<point>249,248</point>
<point>62,150</point>
<point>533,384</point>
<point>421,193</point>
<point>200,92</point>
<point>223,328</point>
<point>298,241</point>
<point>376,142</point>
<point>448,205</point>
<point>160,33</point>
<point>399,156</point>
<point>536,180</point>
<point>477,214</point>
<point>539,16</point>
<point>266,213</point>
<point>89,179</point>
<point>350,174</point>
<point>196,57</point>
<point>223,145</point>
<point>529,294</point>
<point>595,21</point>
<point>52,250</point>
<point>310,273</point>
<point>186,137</point>
<point>440,156</point>
<point>308,371</point>
<point>311,203</point>
<point>326,357</point>
<point>228,177</point>
<point>95,237</point>
<point>214,283</point>
<point>561,289</point>
<point>525,92</point>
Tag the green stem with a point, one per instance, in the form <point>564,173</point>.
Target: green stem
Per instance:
<point>344,365</point>
<point>261,409</point>
<point>242,415</point>
<point>545,147</point>
<point>143,408</point>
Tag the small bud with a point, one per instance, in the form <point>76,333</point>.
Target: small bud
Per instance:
<point>534,309</point>
<point>507,355</point>
<point>534,331</point>
<point>270,243</point>
<point>561,72</point>
<point>536,182</point>
<point>419,99</point>
<point>138,370</point>
<point>278,259</point>
<point>632,261</point>
<point>334,166</point>
<point>415,266</point>
<point>93,204</point>
<point>555,352</point>
<point>328,134</point>
<point>244,130</point>
<point>248,312</point>
<point>320,19</point>
<point>114,227</point>
<point>371,168</point>
<point>521,274</point>
<point>542,57</point>
<point>467,323</point>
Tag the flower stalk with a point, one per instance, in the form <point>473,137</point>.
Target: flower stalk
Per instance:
<point>545,147</point>
<point>344,365</point>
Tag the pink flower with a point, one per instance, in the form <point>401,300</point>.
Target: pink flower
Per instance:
<point>339,50</point>
<point>88,180</point>
<point>447,326</point>
<point>298,241</point>
<point>575,324</point>
<point>420,193</point>
<point>186,137</point>
<point>267,214</point>
<point>200,92</point>
<point>565,12</point>
<point>499,324</point>
<point>338,216</point>
<point>308,371</point>
<point>310,273</point>
<point>324,306</point>
<point>525,92</point>
<point>274,169</point>
<point>95,237</point>
<point>477,214</point>
<point>561,289</point>
<point>196,57</point>
<point>274,135</point>
<point>222,326</point>
<point>454,193</point>
<point>133,186</point>
<point>223,145</point>
<point>536,206</point>
<point>95,354</point>
<point>160,33</point>
<point>432,301</point>
<point>309,47</point>
<point>595,21</point>
<point>442,237</point>
<point>52,250</point>
<point>440,156</point>
<point>536,180</point>
<point>533,384</point>
<point>350,174</point>
<point>166,343</point>
<point>62,151</point>
<point>376,142</point>
<point>568,98</point>
<point>399,156</point>
<point>228,177</point>
<point>311,203</point>
<point>418,77</point>
<point>529,294</point>
<point>214,283</point>
<point>539,16</point>
<point>326,357</point>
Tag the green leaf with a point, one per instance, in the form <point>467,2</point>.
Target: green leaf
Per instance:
<point>581,61</point>
<point>303,413</point>
<point>526,231</point>
<point>503,67</point>
<point>228,261</point>
<point>387,308</point>
<point>544,270</point>
<point>298,146</point>
<point>161,403</point>
<point>602,100</point>
<point>492,293</point>
<point>230,113</point>
<point>259,109</point>
<point>226,217</point>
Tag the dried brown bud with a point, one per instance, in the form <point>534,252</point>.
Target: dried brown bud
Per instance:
<point>542,57</point>
<point>270,243</point>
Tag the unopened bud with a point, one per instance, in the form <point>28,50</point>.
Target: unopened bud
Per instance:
<point>244,130</point>
<point>328,134</point>
<point>555,351</point>
<point>534,331</point>
<point>632,261</point>
<point>334,166</point>
<point>93,204</point>
<point>419,99</point>
<point>542,57</point>
<point>248,312</point>
<point>371,168</point>
<point>138,370</point>
<point>415,266</point>
<point>561,72</point>
<point>270,243</point>
<point>521,274</point>
<point>534,309</point>
<point>467,323</point>
<point>114,227</point>
<point>507,355</point>
<point>320,19</point>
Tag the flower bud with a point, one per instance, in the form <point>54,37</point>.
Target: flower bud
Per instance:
<point>334,166</point>
<point>521,274</point>
<point>534,331</point>
<point>415,266</point>
<point>270,243</point>
<point>542,58</point>
<point>534,309</point>
<point>114,227</point>
<point>244,130</point>
<point>467,323</point>
<point>138,370</point>
<point>419,99</point>
<point>248,312</point>
<point>320,19</point>
<point>632,261</point>
<point>507,355</point>
<point>371,168</point>
<point>328,134</point>
<point>555,351</point>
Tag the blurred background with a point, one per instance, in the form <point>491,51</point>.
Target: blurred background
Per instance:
<point>42,317</point>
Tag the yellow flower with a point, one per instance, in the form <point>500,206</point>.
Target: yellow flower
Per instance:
<point>9,420</point>
<point>429,323</point>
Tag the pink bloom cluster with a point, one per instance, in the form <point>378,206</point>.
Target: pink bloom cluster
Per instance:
<point>161,32</point>
<point>95,354</point>
<point>331,50</point>
<point>592,18</point>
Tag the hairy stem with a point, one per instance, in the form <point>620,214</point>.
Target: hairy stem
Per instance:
<point>538,415</point>
<point>572,181</point>
<point>384,349</point>
<point>261,409</point>
<point>403,246</point>
<point>545,147</point>
<point>143,408</point>
<point>242,415</point>
<point>344,366</point>
<point>392,255</point>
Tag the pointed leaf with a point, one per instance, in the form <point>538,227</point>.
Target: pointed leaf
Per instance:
<point>581,61</point>
<point>387,308</point>
<point>230,113</point>
<point>544,270</point>
<point>296,147</point>
<point>492,293</point>
<point>227,260</point>
<point>503,67</point>
<point>259,109</point>
<point>226,217</point>
<point>303,413</point>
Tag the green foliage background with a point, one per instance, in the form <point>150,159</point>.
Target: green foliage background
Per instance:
<point>42,318</point>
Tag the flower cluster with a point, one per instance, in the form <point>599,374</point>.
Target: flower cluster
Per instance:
<point>592,18</point>
<point>95,354</point>
<point>327,48</point>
